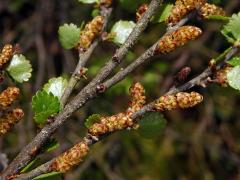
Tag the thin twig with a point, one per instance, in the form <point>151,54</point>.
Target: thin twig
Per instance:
<point>144,57</point>
<point>83,59</point>
<point>206,73</point>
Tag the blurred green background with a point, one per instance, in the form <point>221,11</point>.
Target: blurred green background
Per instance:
<point>198,143</point>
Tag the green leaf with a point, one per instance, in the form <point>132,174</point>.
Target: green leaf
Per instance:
<point>235,61</point>
<point>95,12</point>
<point>163,13</point>
<point>56,86</point>
<point>234,77</point>
<point>88,1</point>
<point>50,145</point>
<point>44,105</point>
<point>49,176</point>
<point>152,124</point>
<point>232,29</point>
<point>69,35</point>
<point>20,68</point>
<point>122,30</point>
<point>92,119</point>
<point>30,165</point>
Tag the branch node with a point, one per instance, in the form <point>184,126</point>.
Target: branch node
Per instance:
<point>101,88</point>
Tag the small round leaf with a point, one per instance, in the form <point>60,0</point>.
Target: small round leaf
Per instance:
<point>69,35</point>
<point>152,124</point>
<point>20,68</point>
<point>56,86</point>
<point>122,30</point>
<point>44,105</point>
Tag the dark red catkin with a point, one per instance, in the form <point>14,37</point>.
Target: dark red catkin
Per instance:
<point>106,3</point>
<point>182,74</point>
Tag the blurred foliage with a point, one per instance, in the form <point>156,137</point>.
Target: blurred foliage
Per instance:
<point>198,143</point>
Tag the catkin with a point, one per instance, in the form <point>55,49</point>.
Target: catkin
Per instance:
<point>182,8</point>
<point>6,54</point>
<point>121,120</point>
<point>8,96</point>
<point>177,38</point>
<point>180,100</point>
<point>90,32</point>
<point>70,158</point>
<point>141,10</point>
<point>138,98</point>
<point>8,120</point>
<point>109,124</point>
<point>211,10</point>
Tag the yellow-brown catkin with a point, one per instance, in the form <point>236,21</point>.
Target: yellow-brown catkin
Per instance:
<point>106,3</point>
<point>8,120</point>
<point>121,120</point>
<point>8,96</point>
<point>220,76</point>
<point>211,10</point>
<point>138,98</point>
<point>6,54</point>
<point>191,3</point>
<point>141,10</point>
<point>70,158</point>
<point>177,38</point>
<point>109,124</point>
<point>90,32</point>
<point>182,8</point>
<point>180,100</point>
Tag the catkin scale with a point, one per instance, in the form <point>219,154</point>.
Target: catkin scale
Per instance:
<point>140,12</point>
<point>6,54</point>
<point>177,38</point>
<point>70,158</point>
<point>180,100</point>
<point>182,8</point>
<point>211,10</point>
<point>90,32</point>
<point>8,96</point>
<point>8,120</point>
